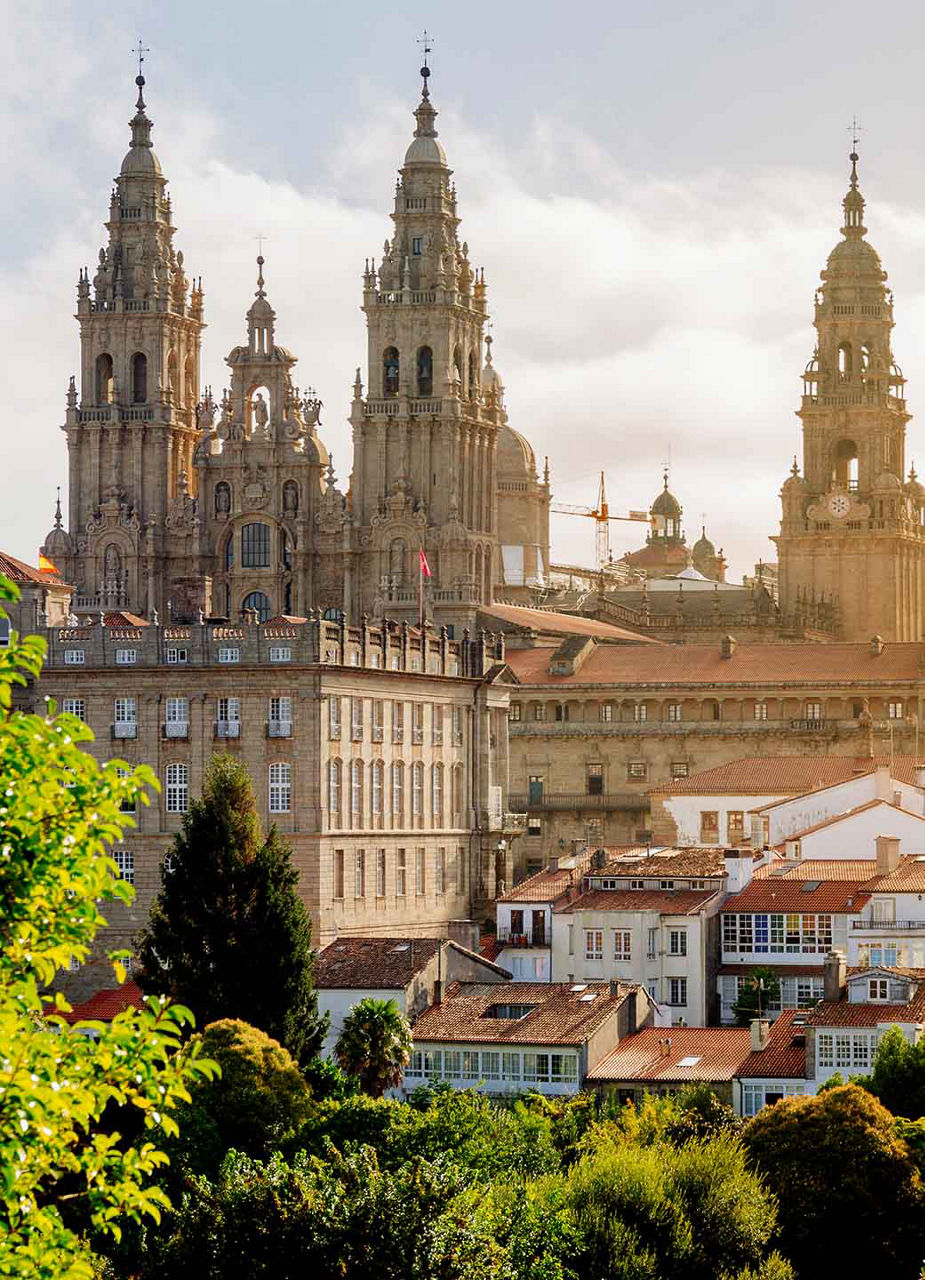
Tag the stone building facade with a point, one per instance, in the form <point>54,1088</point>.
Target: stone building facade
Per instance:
<point>852,525</point>
<point>594,729</point>
<point>179,504</point>
<point>380,755</point>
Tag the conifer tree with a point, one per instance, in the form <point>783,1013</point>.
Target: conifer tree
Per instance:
<point>228,934</point>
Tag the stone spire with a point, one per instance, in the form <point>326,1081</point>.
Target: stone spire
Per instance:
<point>853,205</point>
<point>140,158</point>
<point>261,317</point>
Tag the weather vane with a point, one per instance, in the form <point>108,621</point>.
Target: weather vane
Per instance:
<point>427,44</point>
<point>139,53</point>
<point>260,239</point>
<point>854,129</point>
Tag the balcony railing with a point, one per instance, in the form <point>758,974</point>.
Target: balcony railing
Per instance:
<point>536,939</point>
<point>279,728</point>
<point>227,728</point>
<point>176,729</point>
<point>377,733</point>
<point>125,729</point>
<point>886,926</point>
<point>580,800</point>
<point>417,737</point>
<point>810,724</point>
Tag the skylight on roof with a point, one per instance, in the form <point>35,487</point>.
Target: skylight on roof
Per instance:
<point>402,946</point>
<point>588,998</point>
<point>690,1061</point>
<point>808,886</point>
<point>579,986</point>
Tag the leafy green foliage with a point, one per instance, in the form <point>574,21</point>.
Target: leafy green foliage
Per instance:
<point>837,1158</point>
<point>375,1045</point>
<point>59,812</point>
<point>759,990</point>
<point>898,1075</point>
<point>228,934</point>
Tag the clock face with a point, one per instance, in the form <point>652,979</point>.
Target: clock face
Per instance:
<point>839,504</point>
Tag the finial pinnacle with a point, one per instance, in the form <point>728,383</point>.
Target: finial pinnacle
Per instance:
<point>58,509</point>
<point>427,44</point>
<point>139,52</point>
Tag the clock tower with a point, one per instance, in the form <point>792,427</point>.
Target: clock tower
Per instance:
<point>852,534</point>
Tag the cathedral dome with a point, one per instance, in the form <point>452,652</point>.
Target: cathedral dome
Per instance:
<point>425,148</point>
<point>140,160</point>
<point>666,504</point>
<point>703,546</point>
<point>516,458</point>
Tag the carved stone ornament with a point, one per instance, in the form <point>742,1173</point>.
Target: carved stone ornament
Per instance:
<point>255,486</point>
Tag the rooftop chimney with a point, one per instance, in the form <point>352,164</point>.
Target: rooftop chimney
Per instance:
<point>554,862</point>
<point>739,864</point>
<point>883,783</point>
<point>887,854</point>
<point>876,645</point>
<point>834,971</point>
<point>727,646</point>
<point>759,1030</point>
<point>614,987</point>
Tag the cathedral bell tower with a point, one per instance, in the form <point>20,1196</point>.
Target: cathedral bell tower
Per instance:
<point>424,443</point>
<point>852,539</point>
<point>131,420</point>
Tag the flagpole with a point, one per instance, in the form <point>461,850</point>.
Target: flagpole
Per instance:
<point>421,592</point>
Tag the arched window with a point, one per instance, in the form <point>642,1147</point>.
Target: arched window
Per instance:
<point>177,788</point>
<point>377,773</point>
<point>259,601</point>
<point>846,464</point>
<point>425,371</point>
<point>397,553</point>
<point>417,789</point>
<point>356,792</point>
<point>390,371</point>
<point>398,792</point>
<point>473,375</point>
<point>255,546</point>
<point>457,794</point>
<point>139,378</point>
<point>334,792</point>
<point>845,361</point>
<point>223,500</point>
<point>104,378</point>
<point>436,792</point>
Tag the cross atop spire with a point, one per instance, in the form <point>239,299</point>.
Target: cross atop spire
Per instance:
<point>427,44</point>
<point>139,52</point>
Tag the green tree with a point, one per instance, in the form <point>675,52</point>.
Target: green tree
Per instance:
<point>759,990</point>
<point>228,933</point>
<point>256,1103</point>
<point>898,1075</point>
<point>836,1158</point>
<point>374,1044</point>
<point>59,813</point>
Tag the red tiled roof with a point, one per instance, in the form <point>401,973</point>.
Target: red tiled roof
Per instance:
<point>784,775</point>
<point>762,665</point>
<point>560,1015</point>
<point>641,1056</point>
<point>667,862</point>
<point>104,1005</point>
<point>782,1058</point>
<point>284,619</point>
<point>119,618</point>
<point>489,947</point>
<point>909,876</point>
<point>569,624</point>
<point>837,897</point>
<point>387,963</point>
<point>845,1014</point>
<point>19,571</point>
<point>546,885</point>
<point>669,902</point>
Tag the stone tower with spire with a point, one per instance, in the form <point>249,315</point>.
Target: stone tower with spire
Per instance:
<point>852,535</point>
<point>425,444</point>
<point>131,415</point>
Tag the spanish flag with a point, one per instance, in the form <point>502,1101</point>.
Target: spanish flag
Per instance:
<point>45,565</point>
<point>425,567</point>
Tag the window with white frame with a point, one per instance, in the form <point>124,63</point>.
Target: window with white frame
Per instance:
<point>125,716</point>
<point>130,804</point>
<point>605,712</point>
<point>761,710</point>
<point>814,711</point>
<point>894,709</point>
<point>177,717</point>
<point>756,1096</point>
<point>878,989</point>
<point>636,770</point>
<point>356,789</point>
<point>177,788</point>
<point>436,725</point>
<point>640,712</point>
<point>594,944</point>
<point>334,790</point>
<point>228,653</point>
<point>515,713</point>
<point>677,991</point>
<point>377,771</point>
<point>420,871</point>
<point>621,944</point>
<point>359,873</point>
<point>280,788</point>
<point>377,719</point>
<point>356,719</point>
<point>177,657</point>
<point>401,873</point>
<point>73,657</point>
<point>125,864</point>
<point>228,720</point>
<point>76,707</point>
<point>380,872</point>
<point>333,717</point>
<point>675,712</point>
<point>790,933</point>
<point>126,657</point>
<point>846,1050</point>
<point>417,722</point>
<point>280,653</point>
<point>417,789</point>
<point>281,715</point>
<point>398,790</point>
<point>398,721</point>
<point>680,769</point>
<point>677,942</point>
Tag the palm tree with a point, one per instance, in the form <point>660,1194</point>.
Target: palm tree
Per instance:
<point>375,1044</point>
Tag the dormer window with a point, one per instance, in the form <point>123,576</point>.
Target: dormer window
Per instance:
<point>878,989</point>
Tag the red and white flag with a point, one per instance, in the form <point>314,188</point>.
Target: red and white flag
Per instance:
<point>425,567</point>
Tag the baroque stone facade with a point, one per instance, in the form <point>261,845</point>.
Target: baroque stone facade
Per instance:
<point>181,506</point>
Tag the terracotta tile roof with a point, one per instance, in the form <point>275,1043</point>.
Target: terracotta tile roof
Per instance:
<point>560,1015</point>
<point>641,1056</point>
<point>838,897</point>
<point>119,618</point>
<point>784,775</point>
<point>845,1014</point>
<point>19,571</point>
<point>489,947</point>
<point>784,1057</point>
<point>762,665</point>
<point>569,624</point>
<point>282,619</point>
<point>909,877</point>
<point>668,902</point>
<point>104,1005</point>
<point>370,963</point>
<point>667,862</point>
<point>546,885</point>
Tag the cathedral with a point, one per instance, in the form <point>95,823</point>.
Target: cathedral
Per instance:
<point>182,506</point>
<point>853,526</point>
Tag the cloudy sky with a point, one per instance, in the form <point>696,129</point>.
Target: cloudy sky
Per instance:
<point>652,190</point>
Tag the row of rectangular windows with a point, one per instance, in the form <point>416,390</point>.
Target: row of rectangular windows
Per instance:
<point>442,872</point>
<point>356,720</point>
<point>176,790</point>
<point>790,933</point>
<point>674,711</point>
<point>493,1064</point>
<point>177,657</point>
<point>622,943</point>
<point>380,796</point>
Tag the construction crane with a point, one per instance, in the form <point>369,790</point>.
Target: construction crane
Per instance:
<point>600,513</point>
